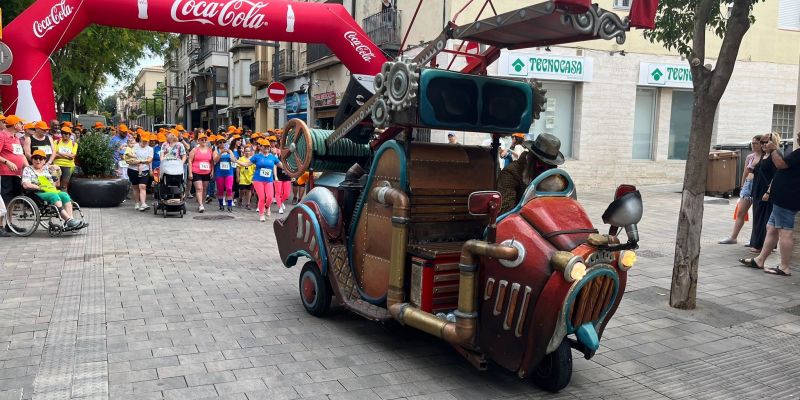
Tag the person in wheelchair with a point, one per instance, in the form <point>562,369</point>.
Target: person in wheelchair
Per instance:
<point>37,178</point>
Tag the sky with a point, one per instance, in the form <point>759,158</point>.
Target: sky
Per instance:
<point>113,85</point>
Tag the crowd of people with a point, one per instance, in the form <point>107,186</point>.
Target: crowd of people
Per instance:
<point>770,184</point>
<point>228,165</point>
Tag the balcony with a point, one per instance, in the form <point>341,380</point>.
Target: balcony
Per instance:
<point>284,66</point>
<point>260,73</point>
<point>384,28</point>
<point>210,45</point>
<point>316,52</point>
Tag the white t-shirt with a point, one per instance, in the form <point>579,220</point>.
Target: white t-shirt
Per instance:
<point>517,151</point>
<point>143,153</point>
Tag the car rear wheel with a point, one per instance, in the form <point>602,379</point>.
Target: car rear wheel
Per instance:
<point>314,290</point>
<point>554,371</point>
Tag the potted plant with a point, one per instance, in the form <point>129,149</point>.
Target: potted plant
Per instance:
<point>95,184</point>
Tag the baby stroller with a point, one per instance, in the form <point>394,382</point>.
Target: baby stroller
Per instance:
<point>169,194</point>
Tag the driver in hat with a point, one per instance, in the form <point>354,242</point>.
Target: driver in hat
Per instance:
<point>542,154</point>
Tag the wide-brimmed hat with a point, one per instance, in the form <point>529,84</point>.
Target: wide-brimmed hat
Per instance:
<point>547,148</point>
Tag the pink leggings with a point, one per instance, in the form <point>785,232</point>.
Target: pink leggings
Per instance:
<point>225,186</point>
<point>264,193</point>
<point>283,189</point>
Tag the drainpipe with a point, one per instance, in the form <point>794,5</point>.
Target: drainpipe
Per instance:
<point>463,331</point>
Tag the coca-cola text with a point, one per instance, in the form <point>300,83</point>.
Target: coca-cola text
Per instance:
<point>363,50</point>
<point>58,13</point>
<point>235,13</point>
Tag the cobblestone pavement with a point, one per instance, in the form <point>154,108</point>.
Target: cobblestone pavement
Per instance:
<point>142,307</point>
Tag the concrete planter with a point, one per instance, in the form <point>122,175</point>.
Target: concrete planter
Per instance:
<point>98,192</point>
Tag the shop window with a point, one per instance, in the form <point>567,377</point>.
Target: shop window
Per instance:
<point>783,120</point>
<point>680,124</point>
<point>558,115</point>
<point>644,122</point>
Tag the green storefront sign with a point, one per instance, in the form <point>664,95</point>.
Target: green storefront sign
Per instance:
<point>665,75</point>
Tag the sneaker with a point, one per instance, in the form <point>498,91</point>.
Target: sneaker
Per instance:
<point>247,206</point>
<point>230,208</point>
<point>3,233</point>
<point>727,241</point>
<point>72,223</point>
<point>137,206</point>
<point>262,219</point>
<point>209,199</point>
<point>144,207</point>
<point>281,209</point>
<point>221,208</point>
<point>201,209</point>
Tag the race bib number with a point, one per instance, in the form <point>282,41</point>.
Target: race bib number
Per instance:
<point>65,150</point>
<point>17,148</point>
<point>47,149</point>
<point>123,164</point>
<point>224,166</point>
<point>265,172</point>
<point>205,166</point>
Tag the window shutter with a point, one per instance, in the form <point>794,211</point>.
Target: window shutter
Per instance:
<point>789,14</point>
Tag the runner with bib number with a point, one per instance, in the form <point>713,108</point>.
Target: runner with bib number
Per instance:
<point>200,159</point>
<point>265,163</point>
<point>224,160</point>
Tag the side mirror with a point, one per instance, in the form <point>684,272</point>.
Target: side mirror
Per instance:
<point>626,211</point>
<point>486,203</point>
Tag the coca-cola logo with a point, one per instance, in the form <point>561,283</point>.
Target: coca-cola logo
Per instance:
<point>58,13</point>
<point>363,50</point>
<point>235,13</point>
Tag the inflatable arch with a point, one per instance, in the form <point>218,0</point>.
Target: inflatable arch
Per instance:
<point>48,25</point>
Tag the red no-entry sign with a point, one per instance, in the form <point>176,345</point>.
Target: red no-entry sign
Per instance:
<point>276,91</point>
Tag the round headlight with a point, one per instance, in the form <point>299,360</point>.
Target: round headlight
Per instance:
<point>575,272</point>
<point>627,259</point>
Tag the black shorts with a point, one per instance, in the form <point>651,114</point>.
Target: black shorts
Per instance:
<point>245,187</point>
<point>201,177</point>
<point>137,178</point>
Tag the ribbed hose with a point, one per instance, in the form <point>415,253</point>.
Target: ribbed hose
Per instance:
<point>338,157</point>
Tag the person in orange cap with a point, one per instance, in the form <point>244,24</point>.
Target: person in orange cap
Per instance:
<point>98,126</point>
<point>139,166</point>
<point>265,163</point>
<point>200,163</point>
<point>37,177</point>
<point>66,149</point>
<point>12,162</point>
<point>179,128</point>
<point>40,141</point>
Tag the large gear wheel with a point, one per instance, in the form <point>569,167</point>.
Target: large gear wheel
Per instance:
<point>380,114</point>
<point>296,148</point>
<point>401,85</point>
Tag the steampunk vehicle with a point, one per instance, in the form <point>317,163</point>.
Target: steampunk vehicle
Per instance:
<point>399,229</point>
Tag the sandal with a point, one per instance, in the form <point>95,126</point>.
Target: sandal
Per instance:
<point>776,271</point>
<point>750,263</point>
<point>755,251</point>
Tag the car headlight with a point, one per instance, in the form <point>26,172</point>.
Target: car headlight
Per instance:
<point>570,265</point>
<point>627,259</point>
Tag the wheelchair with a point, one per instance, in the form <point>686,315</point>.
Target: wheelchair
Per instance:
<point>27,212</point>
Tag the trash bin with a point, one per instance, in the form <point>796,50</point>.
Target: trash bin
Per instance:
<point>743,150</point>
<point>721,177</point>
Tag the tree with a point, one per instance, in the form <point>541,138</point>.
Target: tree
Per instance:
<point>81,68</point>
<point>109,104</point>
<point>682,25</point>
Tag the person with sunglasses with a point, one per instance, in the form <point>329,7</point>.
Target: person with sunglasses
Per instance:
<point>541,154</point>
<point>746,193</point>
<point>139,164</point>
<point>200,159</point>
<point>224,158</point>
<point>762,206</point>
<point>37,177</point>
<point>246,178</point>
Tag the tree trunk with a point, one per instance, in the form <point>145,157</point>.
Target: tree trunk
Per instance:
<point>683,293</point>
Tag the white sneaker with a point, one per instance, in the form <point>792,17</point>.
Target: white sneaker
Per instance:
<point>262,219</point>
<point>281,209</point>
<point>137,206</point>
<point>144,207</point>
<point>201,208</point>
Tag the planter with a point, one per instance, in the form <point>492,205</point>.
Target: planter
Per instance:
<point>98,192</point>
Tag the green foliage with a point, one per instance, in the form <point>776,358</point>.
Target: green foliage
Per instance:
<point>95,155</point>
<point>109,104</point>
<point>676,18</point>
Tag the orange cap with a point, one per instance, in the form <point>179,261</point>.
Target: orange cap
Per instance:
<point>263,142</point>
<point>179,127</point>
<point>123,127</point>
<point>202,136</point>
<point>68,124</point>
<point>272,139</point>
<point>66,129</point>
<point>13,120</point>
<point>42,125</point>
<point>2,117</point>
<point>519,135</point>
<point>162,137</point>
<point>29,125</point>
<point>99,125</point>
<point>39,152</point>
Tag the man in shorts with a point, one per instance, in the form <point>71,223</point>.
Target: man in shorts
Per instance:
<point>785,196</point>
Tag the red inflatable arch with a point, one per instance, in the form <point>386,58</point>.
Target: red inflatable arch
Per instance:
<point>48,25</point>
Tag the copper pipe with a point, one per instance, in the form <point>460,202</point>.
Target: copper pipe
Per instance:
<point>399,202</point>
<point>463,331</point>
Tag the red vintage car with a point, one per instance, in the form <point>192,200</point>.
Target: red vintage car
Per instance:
<point>399,229</point>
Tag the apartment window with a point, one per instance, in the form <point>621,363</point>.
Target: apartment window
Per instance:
<point>644,123</point>
<point>680,124</point>
<point>789,15</point>
<point>558,115</point>
<point>783,120</point>
<point>222,81</point>
<point>622,4</point>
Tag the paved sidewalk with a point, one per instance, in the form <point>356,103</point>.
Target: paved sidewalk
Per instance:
<point>142,307</point>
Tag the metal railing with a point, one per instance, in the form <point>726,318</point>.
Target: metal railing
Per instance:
<point>384,28</point>
<point>316,52</point>
<point>259,73</point>
<point>283,64</point>
<point>212,44</point>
